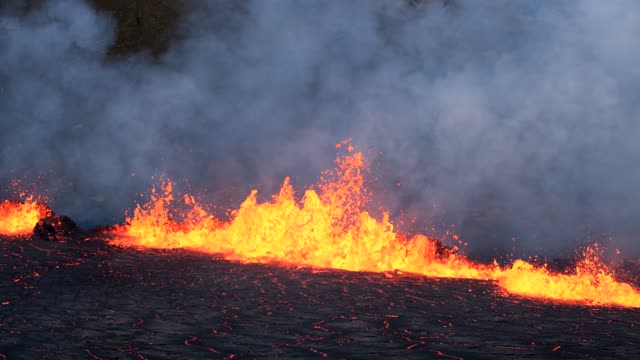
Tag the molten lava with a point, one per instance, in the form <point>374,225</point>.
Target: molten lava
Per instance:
<point>590,282</point>
<point>328,228</point>
<point>19,217</point>
<point>331,228</point>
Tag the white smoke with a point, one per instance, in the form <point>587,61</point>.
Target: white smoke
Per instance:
<point>524,114</point>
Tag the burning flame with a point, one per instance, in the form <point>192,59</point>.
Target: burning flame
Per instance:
<point>20,217</point>
<point>331,228</point>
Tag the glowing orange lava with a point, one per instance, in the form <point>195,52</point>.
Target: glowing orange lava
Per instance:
<point>19,217</point>
<point>591,282</point>
<point>331,228</point>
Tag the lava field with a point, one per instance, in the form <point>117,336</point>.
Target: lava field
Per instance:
<point>84,298</point>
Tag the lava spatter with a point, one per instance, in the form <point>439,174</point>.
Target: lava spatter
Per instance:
<point>330,227</point>
<point>20,217</point>
<point>326,228</point>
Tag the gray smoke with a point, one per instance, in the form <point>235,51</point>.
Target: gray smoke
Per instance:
<point>505,118</point>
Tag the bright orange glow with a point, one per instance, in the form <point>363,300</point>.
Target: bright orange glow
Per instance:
<point>19,218</point>
<point>591,282</point>
<point>331,228</point>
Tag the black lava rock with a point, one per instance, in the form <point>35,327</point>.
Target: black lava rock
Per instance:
<point>55,228</point>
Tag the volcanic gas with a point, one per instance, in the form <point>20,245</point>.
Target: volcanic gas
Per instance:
<point>329,227</point>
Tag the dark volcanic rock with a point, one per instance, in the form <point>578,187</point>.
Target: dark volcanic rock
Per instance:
<point>150,25</point>
<point>89,300</point>
<point>54,228</point>
<point>142,25</point>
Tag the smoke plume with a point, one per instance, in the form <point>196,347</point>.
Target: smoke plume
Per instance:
<point>509,119</point>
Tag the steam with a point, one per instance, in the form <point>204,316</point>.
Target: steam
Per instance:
<point>508,119</point>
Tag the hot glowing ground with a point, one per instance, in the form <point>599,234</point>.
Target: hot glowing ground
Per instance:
<point>87,299</point>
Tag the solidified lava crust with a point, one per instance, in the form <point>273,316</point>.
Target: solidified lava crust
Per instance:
<point>55,228</point>
<point>88,299</point>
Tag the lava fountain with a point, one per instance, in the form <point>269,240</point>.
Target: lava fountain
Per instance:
<point>326,228</point>
<point>329,227</point>
<point>20,217</point>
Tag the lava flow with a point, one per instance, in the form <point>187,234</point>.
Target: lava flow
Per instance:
<point>20,217</point>
<point>330,228</point>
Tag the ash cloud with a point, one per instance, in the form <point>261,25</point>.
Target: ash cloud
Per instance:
<point>506,118</point>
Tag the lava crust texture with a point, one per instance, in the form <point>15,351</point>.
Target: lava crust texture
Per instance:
<point>88,299</point>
